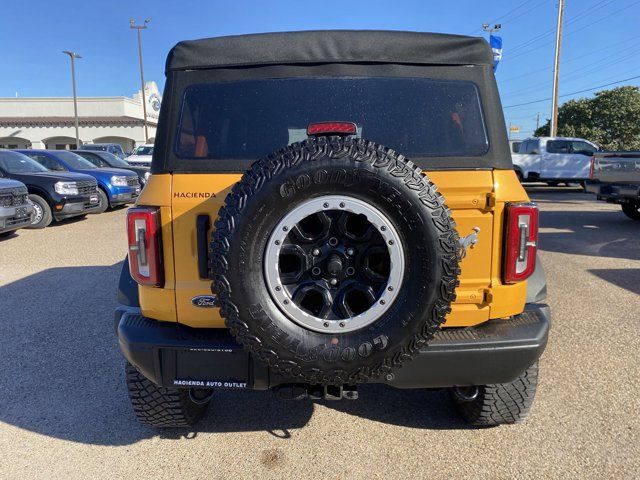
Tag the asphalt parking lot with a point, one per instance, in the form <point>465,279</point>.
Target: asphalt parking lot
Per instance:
<point>64,410</point>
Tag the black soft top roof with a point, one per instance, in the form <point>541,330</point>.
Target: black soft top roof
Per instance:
<point>329,46</point>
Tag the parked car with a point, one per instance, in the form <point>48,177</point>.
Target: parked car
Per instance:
<point>515,145</point>
<point>554,160</point>
<point>114,148</point>
<point>109,160</point>
<point>335,260</point>
<point>55,195</point>
<point>141,156</point>
<point>116,186</point>
<point>16,210</point>
<point>615,178</point>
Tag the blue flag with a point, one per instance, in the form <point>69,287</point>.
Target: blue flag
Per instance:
<point>496,48</point>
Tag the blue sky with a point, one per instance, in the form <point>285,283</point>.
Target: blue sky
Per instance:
<point>601,43</point>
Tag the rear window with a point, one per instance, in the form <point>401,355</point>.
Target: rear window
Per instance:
<point>418,117</point>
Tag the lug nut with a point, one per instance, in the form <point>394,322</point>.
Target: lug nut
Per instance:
<point>333,241</point>
<point>350,251</point>
<point>333,281</point>
<point>315,252</point>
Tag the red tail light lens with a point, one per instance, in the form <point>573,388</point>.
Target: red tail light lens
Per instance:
<point>145,253</point>
<point>592,167</point>
<point>332,128</point>
<point>521,241</point>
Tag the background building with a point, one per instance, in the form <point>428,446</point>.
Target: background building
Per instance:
<point>48,122</point>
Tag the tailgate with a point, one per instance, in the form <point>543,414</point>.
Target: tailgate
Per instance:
<point>617,167</point>
<point>470,195</point>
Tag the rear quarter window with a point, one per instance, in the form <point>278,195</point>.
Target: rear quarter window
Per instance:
<point>419,117</point>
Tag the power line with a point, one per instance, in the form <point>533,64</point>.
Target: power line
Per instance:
<point>597,6</point>
<point>573,93</point>
<point>581,71</point>
<point>573,59</point>
<point>573,19</point>
<point>478,30</point>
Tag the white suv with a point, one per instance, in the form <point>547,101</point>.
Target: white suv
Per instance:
<point>554,159</point>
<point>141,156</point>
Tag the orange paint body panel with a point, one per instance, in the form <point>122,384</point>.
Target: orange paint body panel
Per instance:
<point>476,198</point>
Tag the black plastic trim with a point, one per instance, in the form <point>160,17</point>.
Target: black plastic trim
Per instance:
<point>202,242</point>
<point>494,352</point>
<point>127,287</point>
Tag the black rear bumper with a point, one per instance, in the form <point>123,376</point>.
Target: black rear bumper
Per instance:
<point>614,192</point>
<point>172,355</point>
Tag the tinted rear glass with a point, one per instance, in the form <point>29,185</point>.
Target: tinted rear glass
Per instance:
<point>418,117</point>
<point>14,162</point>
<point>74,160</point>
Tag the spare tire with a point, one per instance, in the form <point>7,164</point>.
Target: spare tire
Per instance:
<point>334,260</point>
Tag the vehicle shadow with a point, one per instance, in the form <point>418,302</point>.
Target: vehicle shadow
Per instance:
<point>627,278</point>
<point>62,374</point>
<point>602,233</point>
<point>413,408</point>
<point>68,221</point>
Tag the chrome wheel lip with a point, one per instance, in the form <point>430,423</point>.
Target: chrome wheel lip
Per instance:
<point>348,204</point>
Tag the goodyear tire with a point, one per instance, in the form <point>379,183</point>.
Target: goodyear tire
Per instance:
<point>365,264</point>
<point>163,407</point>
<point>497,404</point>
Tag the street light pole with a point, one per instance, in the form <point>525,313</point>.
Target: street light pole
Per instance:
<point>556,73</point>
<point>73,56</point>
<point>133,25</point>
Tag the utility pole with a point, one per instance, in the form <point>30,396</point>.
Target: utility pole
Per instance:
<point>538,121</point>
<point>133,25</point>
<point>556,72</point>
<point>73,56</point>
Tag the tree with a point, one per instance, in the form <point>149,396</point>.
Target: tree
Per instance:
<point>611,119</point>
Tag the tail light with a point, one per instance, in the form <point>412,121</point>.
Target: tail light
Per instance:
<point>331,128</point>
<point>521,241</point>
<point>592,168</point>
<point>145,253</point>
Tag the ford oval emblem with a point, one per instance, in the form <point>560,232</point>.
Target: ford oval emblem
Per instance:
<point>205,301</point>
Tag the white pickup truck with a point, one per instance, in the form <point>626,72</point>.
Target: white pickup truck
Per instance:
<point>554,160</point>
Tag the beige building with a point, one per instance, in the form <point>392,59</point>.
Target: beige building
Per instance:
<point>48,122</point>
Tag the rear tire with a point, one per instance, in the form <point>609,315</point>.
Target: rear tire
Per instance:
<point>162,407</point>
<point>43,216</point>
<point>631,210</point>
<point>497,404</point>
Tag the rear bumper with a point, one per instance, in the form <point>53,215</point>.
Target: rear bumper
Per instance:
<point>172,355</point>
<point>614,192</point>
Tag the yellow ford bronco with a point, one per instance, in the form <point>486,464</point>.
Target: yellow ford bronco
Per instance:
<point>326,209</point>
